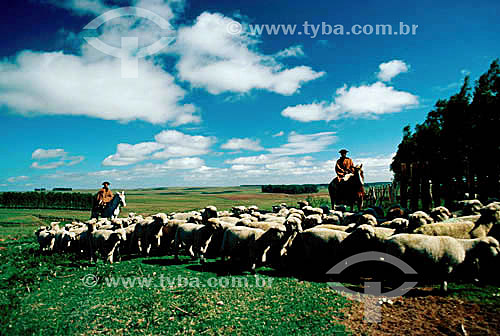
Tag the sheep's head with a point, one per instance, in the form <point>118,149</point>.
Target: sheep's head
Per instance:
<point>470,207</point>
<point>367,219</point>
<point>419,218</point>
<point>490,213</point>
<point>312,220</point>
<point>209,212</point>
<point>440,214</point>
<point>293,224</point>
<point>488,247</point>
<point>302,204</point>
<point>214,224</point>
<point>400,225</point>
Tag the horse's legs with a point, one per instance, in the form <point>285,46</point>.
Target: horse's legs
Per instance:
<point>331,191</point>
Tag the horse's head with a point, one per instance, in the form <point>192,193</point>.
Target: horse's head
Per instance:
<point>122,198</point>
<point>358,172</point>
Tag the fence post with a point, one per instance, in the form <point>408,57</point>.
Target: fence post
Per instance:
<point>425,186</point>
<point>415,186</point>
<point>403,187</point>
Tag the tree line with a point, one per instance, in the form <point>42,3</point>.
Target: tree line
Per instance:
<point>457,147</point>
<point>46,200</point>
<point>290,189</point>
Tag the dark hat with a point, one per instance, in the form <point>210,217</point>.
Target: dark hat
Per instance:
<point>343,150</point>
<point>106,182</point>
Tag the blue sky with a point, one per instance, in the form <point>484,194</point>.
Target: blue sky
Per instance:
<point>217,108</point>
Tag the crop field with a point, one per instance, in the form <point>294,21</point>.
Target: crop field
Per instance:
<point>56,294</point>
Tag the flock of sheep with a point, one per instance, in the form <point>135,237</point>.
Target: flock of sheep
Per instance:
<point>303,238</point>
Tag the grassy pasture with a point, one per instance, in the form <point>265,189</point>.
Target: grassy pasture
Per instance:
<point>42,294</point>
<point>45,295</point>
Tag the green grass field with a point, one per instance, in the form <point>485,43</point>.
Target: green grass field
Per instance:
<point>43,294</point>
<point>46,295</point>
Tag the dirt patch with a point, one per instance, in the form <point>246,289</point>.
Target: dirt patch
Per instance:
<point>426,315</point>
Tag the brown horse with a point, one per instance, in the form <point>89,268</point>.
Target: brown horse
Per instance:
<point>348,191</point>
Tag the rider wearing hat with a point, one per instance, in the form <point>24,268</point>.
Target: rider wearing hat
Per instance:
<point>344,165</point>
<point>104,195</point>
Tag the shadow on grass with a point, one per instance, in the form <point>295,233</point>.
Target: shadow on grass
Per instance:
<point>219,268</point>
<point>166,262</point>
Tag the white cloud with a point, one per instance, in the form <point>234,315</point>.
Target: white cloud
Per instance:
<point>61,154</point>
<point>286,164</point>
<point>245,143</point>
<point>73,160</point>
<point>280,133</point>
<point>167,144</point>
<point>391,69</point>
<point>305,143</point>
<point>185,163</point>
<point>179,144</point>
<point>50,165</point>
<point>309,112</point>
<point>59,84</point>
<point>293,51</point>
<point>279,157</point>
<point>376,168</point>
<point>251,160</point>
<point>17,179</point>
<point>164,8</point>
<point>241,167</point>
<point>218,61</point>
<point>82,7</point>
<point>41,153</point>
<point>365,101</point>
<point>127,154</point>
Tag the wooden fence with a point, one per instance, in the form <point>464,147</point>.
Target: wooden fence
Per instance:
<point>378,195</point>
<point>420,189</point>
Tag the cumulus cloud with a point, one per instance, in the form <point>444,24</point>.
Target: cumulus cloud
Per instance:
<point>280,133</point>
<point>251,160</point>
<point>41,153</point>
<point>60,84</point>
<point>185,163</point>
<point>179,144</point>
<point>391,69</point>
<point>245,143</point>
<point>127,154</point>
<point>167,144</point>
<point>213,59</point>
<point>365,101</point>
<point>63,158</point>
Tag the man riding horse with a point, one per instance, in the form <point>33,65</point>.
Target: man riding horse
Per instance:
<point>347,186</point>
<point>344,166</point>
<point>102,199</point>
<point>104,195</point>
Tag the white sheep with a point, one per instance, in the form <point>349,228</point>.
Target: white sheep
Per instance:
<point>439,255</point>
<point>417,219</point>
<point>489,219</point>
<point>440,214</point>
